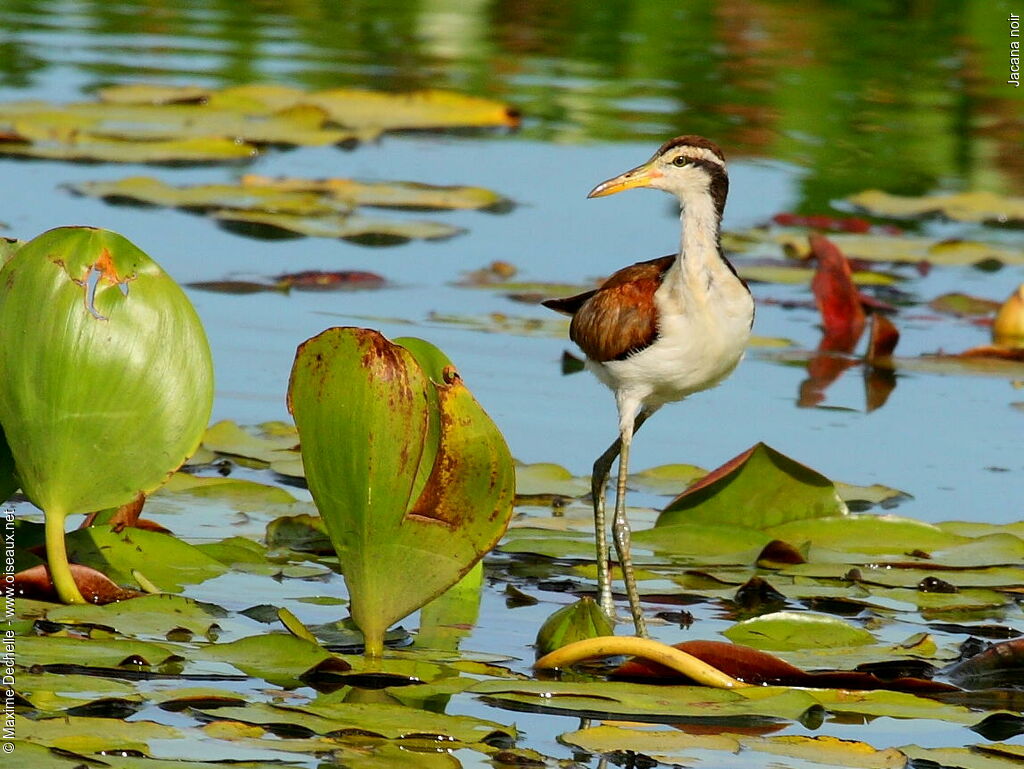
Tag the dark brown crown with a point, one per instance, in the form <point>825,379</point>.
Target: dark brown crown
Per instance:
<point>692,140</point>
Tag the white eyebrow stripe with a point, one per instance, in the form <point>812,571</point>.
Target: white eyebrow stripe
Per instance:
<point>700,153</point>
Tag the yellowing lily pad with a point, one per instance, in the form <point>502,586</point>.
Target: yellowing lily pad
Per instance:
<point>98,149</point>
<point>204,197</point>
<point>408,195</point>
<point>973,206</point>
<point>377,232</point>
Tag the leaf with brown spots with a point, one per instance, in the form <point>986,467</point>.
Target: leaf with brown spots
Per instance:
<point>412,479</point>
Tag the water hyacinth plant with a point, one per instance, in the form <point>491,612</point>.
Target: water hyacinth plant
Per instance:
<point>412,478</point>
<point>106,377</point>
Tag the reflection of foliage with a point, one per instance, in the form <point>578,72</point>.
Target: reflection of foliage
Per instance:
<point>862,96</point>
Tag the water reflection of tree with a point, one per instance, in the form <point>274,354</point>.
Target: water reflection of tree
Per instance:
<point>899,96</point>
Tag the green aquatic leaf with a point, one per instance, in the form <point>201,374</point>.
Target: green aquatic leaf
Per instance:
<point>359,229</point>
<point>163,559</point>
<point>785,630</point>
<point>866,534</point>
<point>671,746</point>
<point>412,478</point>
<point>151,615</point>
<point>971,206</point>
<point>304,533</point>
<point>703,539</point>
<point>279,658</point>
<point>576,622</point>
<point>106,393</point>
<point>666,479</point>
<point>87,148</point>
<point>613,698</point>
<point>758,489</point>
<point>206,197</point>
<point>407,195</point>
<point>549,478</point>
<point>80,734</point>
<point>100,653</point>
<point>963,305</point>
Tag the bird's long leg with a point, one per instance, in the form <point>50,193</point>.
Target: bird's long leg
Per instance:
<point>620,525</point>
<point>598,489</point>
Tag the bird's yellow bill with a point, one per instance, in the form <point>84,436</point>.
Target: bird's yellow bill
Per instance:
<point>641,176</point>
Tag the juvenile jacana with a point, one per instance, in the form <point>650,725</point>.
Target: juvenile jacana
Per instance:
<point>658,331</point>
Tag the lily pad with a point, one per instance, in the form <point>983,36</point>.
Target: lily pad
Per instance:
<point>972,206</point>
<point>787,630</point>
<point>757,489</point>
<point>398,194</point>
<point>278,658</point>
<point>164,560</point>
<point>359,229</point>
<point>169,152</point>
<point>151,615</point>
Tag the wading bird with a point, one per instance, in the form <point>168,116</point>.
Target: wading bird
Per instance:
<point>658,331</point>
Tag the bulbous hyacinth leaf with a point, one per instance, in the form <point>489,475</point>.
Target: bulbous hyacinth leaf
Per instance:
<point>575,622</point>
<point>107,391</point>
<point>757,489</point>
<point>412,478</point>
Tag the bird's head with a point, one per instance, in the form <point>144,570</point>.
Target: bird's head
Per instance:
<point>687,166</point>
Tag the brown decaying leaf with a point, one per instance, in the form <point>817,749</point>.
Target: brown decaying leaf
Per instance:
<point>35,583</point>
<point>758,667</point>
<point>320,280</point>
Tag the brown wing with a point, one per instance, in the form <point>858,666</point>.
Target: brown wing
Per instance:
<point>618,318</point>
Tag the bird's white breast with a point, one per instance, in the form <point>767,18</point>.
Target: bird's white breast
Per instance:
<point>702,336</point>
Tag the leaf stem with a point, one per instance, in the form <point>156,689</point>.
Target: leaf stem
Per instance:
<point>57,561</point>
<point>692,667</point>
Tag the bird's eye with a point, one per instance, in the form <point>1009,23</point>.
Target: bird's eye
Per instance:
<point>680,161</point>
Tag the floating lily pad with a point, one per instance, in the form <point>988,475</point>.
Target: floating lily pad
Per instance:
<point>359,229</point>
<point>164,560</point>
<point>152,615</point>
<point>973,206</point>
<point>408,195</point>
<point>276,657</point>
<point>167,152</point>
<point>787,630</point>
<point>757,489</point>
<point>678,747</point>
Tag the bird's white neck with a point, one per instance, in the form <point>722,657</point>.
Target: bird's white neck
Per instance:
<point>700,259</point>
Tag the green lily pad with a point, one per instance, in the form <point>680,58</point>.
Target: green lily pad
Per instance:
<point>164,560</point>
<point>97,149</point>
<point>677,747</point>
<point>91,735</point>
<point>666,479</point>
<point>353,227</point>
<point>405,195</point>
<point>654,703</point>
<point>758,489</point>
<point>866,534</point>
<point>796,630</point>
<point>151,615</point>
<point>549,478</point>
<point>109,653</point>
<point>278,658</point>
<point>971,206</point>
<point>964,305</point>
